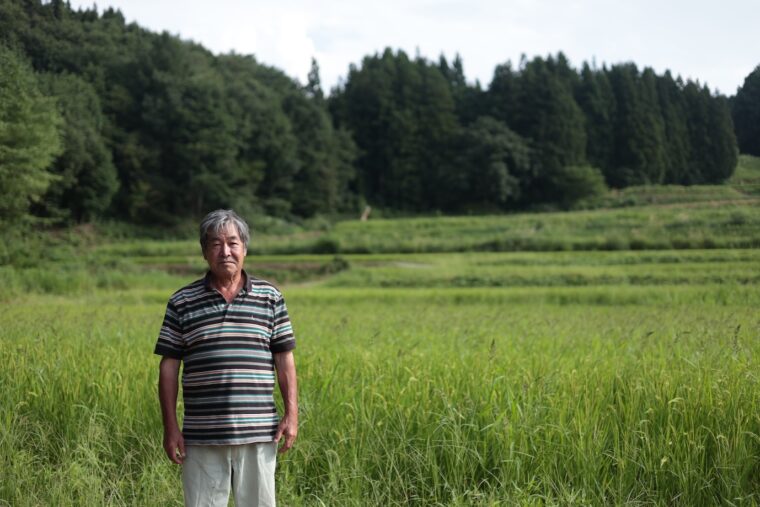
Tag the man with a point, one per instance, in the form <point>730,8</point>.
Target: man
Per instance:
<point>232,332</point>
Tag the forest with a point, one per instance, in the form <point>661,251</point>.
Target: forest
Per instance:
<point>102,119</point>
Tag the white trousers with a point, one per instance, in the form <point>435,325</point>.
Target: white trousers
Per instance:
<point>209,471</point>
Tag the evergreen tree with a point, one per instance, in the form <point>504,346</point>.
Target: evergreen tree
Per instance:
<point>596,100</point>
<point>725,153</point>
<point>652,140</point>
<point>29,138</point>
<point>745,109</point>
<point>677,147</point>
<point>639,155</point>
<point>545,112</point>
<point>402,115</point>
<point>315,186</point>
<point>713,154</point>
<point>87,178</point>
<point>501,97</point>
<point>313,84</point>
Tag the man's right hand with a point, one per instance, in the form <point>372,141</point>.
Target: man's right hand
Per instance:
<point>174,445</point>
<point>168,385</point>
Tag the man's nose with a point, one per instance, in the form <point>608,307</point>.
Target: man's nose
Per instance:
<point>225,249</point>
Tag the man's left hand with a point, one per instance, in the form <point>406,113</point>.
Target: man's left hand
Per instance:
<point>287,428</point>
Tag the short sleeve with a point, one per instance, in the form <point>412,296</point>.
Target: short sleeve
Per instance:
<point>170,342</point>
<point>282,338</point>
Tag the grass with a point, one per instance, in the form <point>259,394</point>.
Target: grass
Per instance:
<point>612,359</point>
<point>536,390</point>
<point>746,178</point>
<point>460,397</point>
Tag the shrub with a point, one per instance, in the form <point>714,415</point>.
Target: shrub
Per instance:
<point>579,186</point>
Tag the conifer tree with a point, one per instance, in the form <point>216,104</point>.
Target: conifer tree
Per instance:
<point>745,109</point>
<point>546,113</point>
<point>596,100</point>
<point>639,133</point>
<point>313,84</point>
<point>669,92</point>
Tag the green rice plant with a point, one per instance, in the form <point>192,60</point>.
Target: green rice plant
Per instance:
<point>621,395</point>
<point>481,378</point>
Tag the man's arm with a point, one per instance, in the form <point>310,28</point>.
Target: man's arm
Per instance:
<point>168,385</point>
<point>286,379</point>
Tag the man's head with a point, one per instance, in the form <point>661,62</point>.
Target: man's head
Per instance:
<point>224,240</point>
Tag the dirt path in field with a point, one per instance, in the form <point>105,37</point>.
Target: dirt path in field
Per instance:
<point>712,204</point>
<point>692,204</point>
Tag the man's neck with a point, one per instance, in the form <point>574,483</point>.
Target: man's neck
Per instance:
<point>228,287</point>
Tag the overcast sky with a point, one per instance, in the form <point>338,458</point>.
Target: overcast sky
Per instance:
<point>713,42</point>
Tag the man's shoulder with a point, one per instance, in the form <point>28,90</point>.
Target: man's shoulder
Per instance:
<point>188,292</point>
<point>262,288</point>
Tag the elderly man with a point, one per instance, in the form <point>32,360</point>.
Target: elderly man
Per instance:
<point>232,332</point>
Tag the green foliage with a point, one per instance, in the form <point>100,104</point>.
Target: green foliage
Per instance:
<point>713,154</point>
<point>609,377</point>
<point>187,131</point>
<point>578,185</point>
<point>666,218</point>
<point>29,138</point>
<point>639,134</point>
<point>745,109</point>
<point>87,179</point>
<point>544,111</point>
<point>401,114</point>
<point>595,98</point>
<point>157,130</point>
<point>494,161</point>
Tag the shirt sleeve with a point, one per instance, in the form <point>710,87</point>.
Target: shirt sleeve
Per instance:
<point>282,338</point>
<point>170,341</point>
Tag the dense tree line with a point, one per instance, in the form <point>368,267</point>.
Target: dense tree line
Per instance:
<point>540,133</point>
<point>152,129</point>
<point>100,118</point>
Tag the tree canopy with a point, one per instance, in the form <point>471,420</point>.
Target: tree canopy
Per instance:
<point>100,118</point>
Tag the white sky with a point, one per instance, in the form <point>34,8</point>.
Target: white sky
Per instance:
<point>713,42</point>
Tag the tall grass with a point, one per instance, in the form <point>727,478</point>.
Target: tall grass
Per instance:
<point>421,397</point>
<point>571,376</point>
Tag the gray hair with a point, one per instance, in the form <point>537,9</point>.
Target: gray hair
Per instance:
<point>218,220</point>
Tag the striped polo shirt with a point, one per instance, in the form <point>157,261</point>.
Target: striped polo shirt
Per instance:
<point>228,372</point>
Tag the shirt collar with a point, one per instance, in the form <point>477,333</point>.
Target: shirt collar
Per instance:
<point>247,285</point>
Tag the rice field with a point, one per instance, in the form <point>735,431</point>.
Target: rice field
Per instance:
<point>491,378</point>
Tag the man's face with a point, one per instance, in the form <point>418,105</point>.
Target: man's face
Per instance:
<point>225,252</point>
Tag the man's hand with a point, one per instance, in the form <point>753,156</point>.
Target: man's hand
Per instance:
<point>168,384</point>
<point>288,428</point>
<point>174,445</point>
<point>286,378</point>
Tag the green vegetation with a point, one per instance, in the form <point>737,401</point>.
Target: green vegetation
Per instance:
<point>747,175</point>
<point>745,109</point>
<point>28,138</point>
<point>577,375</point>
<point>90,258</point>
<point>147,129</point>
<point>535,378</point>
<point>602,356</point>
